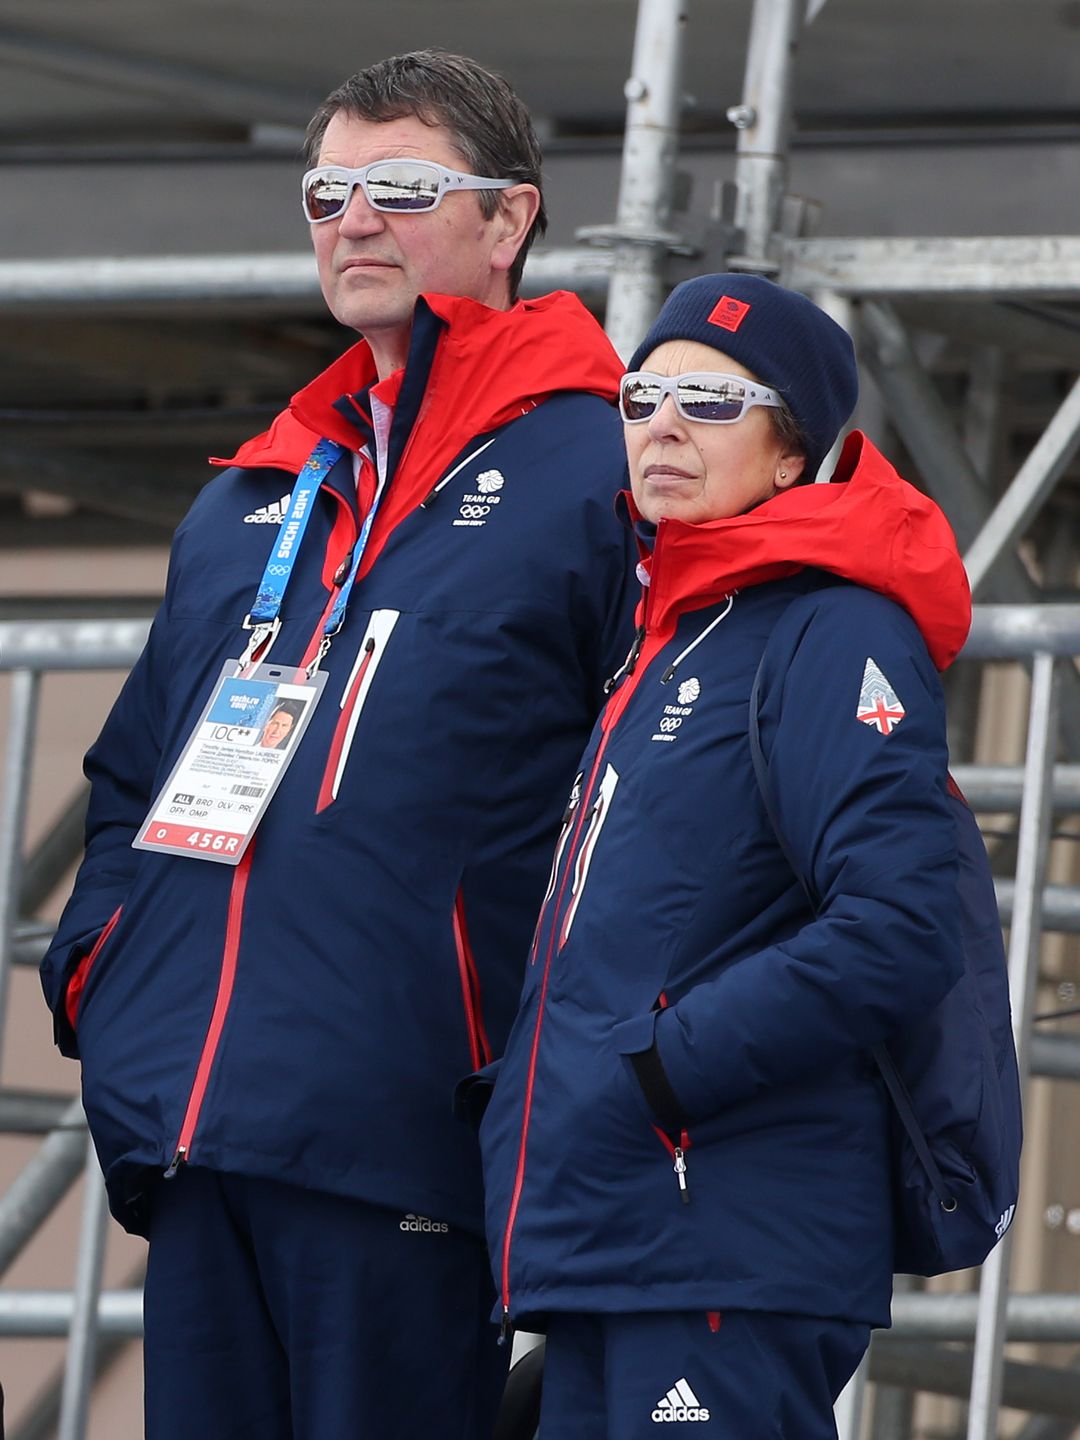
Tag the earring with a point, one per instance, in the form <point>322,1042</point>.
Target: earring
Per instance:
<point>783,474</point>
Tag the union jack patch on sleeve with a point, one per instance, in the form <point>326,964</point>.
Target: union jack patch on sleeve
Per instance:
<point>879,704</point>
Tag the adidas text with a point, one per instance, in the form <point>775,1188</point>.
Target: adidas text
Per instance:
<point>679,1412</point>
<point>680,1403</point>
<point>421,1224</point>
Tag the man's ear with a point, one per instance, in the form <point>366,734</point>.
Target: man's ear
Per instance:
<point>518,207</point>
<point>789,469</point>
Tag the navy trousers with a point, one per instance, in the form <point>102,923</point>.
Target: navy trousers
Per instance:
<point>286,1314</point>
<point>737,1376</point>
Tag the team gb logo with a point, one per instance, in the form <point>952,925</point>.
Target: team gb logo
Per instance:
<point>489,482</point>
<point>689,690</point>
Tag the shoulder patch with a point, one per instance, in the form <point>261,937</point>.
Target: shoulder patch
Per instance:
<point>879,704</point>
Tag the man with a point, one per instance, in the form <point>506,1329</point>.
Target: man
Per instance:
<point>269,1049</point>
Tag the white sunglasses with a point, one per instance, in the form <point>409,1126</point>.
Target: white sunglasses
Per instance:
<point>394,186</point>
<point>712,397</point>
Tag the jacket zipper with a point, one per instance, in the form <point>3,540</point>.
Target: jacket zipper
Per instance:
<point>233,925</point>
<point>678,1156</point>
<point>217,1019</point>
<point>676,1151</point>
<point>616,705</point>
<point>479,1046</point>
<point>433,495</point>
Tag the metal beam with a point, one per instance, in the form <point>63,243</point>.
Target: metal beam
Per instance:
<point>31,1112</point>
<point>1043,266</point>
<point>1025,939</point>
<point>642,234</point>
<point>763,122</point>
<point>1060,906</point>
<point>233,282</point>
<point>72,644</point>
<point>39,1421</point>
<point>37,1190</point>
<point>1012,325</point>
<point>925,425</point>
<point>1012,632</point>
<point>920,416</point>
<point>54,854</point>
<point>1000,787</point>
<point>1055,1057</point>
<point>938,1370</point>
<point>1040,1316</point>
<point>81,1359</point>
<point>1034,481</point>
<point>39,1313</point>
<point>25,692</point>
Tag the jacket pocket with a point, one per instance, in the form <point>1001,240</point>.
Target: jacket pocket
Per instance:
<point>77,983</point>
<point>635,1040</point>
<point>601,808</point>
<point>353,699</point>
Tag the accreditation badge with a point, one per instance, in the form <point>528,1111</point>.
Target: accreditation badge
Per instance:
<point>218,791</point>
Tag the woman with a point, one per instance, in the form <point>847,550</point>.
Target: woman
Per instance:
<point>686,1150</point>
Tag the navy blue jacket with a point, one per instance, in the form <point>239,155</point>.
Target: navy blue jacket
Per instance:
<point>687,1116</point>
<point>305,1015</point>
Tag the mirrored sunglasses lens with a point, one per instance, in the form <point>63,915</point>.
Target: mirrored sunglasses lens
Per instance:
<point>699,400</point>
<point>639,399</point>
<point>403,186</point>
<point>326,195</point>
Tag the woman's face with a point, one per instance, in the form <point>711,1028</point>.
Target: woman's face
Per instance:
<point>695,471</point>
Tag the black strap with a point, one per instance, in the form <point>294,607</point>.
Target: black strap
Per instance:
<point>885,1063</point>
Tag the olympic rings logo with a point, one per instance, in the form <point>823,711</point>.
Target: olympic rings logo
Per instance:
<point>474,512</point>
<point>277,569</point>
<point>670,722</point>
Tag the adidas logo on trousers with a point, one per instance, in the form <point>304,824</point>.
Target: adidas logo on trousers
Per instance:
<point>680,1403</point>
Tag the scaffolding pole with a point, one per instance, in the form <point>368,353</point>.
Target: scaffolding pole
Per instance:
<point>1024,938</point>
<point>763,122</point>
<point>37,1190</point>
<point>25,693</point>
<point>82,1340</point>
<point>642,234</point>
<point>1034,482</point>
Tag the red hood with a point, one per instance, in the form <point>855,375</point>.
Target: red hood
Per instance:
<point>867,525</point>
<point>490,366</point>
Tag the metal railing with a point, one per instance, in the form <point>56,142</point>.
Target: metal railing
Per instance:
<point>1045,635</point>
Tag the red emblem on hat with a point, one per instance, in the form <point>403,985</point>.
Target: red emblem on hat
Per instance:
<point>729,313</point>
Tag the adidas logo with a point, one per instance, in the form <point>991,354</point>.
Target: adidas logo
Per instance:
<point>680,1403</point>
<point>424,1226</point>
<point>1004,1221</point>
<point>269,514</point>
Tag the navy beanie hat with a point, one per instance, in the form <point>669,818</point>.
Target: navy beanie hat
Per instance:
<point>785,340</point>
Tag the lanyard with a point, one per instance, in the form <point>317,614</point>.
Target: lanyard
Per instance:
<point>264,620</point>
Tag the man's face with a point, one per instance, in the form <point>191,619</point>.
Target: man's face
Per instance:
<point>372,265</point>
<point>276,729</point>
